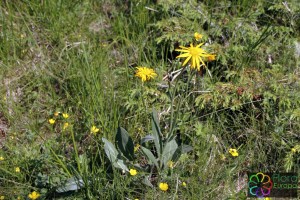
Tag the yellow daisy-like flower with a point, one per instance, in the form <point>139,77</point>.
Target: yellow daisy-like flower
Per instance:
<point>94,130</point>
<point>17,169</point>
<point>1,158</point>
<point>163,186</point>
<point>184,184</point>
<point>34,195</point>
<point>133,172</point>
<point>51,121</point>
<point>66,125</point>
<point>145,73</point>
<point>65,115</point>
<point>233,152</point>
<point>198,36</point>
<point>195,53</point>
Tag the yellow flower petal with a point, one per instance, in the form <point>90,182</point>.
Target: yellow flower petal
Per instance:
<point>163,186</point>
<point>65,115</point>
<point>145,73</point>
<point>51,121</point>
<point>34,195</point>
<point>94,130</point>
<point>195,54</point>
<point>17,169</point>
<point>133,172</point>
<point>198,36</point>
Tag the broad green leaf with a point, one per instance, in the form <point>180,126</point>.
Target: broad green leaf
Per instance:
<point>147,138</point>
<point>169,151</point>
<point>110,151</point>
<point>156,132</point>
<point>72,184</point>
<point>112,155</point>
<point>150,156</point>
<point>181,150</point>
<point>125,143</point>
<point>121,165</point>
<point>146,181</point>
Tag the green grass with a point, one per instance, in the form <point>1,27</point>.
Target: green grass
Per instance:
<point>80,58</point>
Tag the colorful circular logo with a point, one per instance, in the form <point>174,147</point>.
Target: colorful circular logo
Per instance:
<point>260,185</point>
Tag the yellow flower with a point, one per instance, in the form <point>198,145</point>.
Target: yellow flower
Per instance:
<point>51,121</point>
<point>195,53</point>
<point>184,184</point>
<point>133,172</point>
<point>163,186</point>
<point>1,158</point>
<point>293,150</point>
<point>65,115</point>
<point>136,147</point>
<point>268,198</point>
<point>56,114</point>
<point>34,195</point>
<point>19,198</point>
<point>145,73</point>
<point>17,169</point>
<point>171,164</point>
<point>198,36</point>
<point>233,152</point>
<point>94,130</point>
<point>66,124</point>
<point>2,197</point>
<point>211,58</point>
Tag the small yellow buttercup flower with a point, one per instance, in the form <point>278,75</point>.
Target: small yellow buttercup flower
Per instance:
<point>2,197</point>
<point>163,186</point>
<point>65,126</point>
<point>1,158</point>
<point>233,152</point>
<point>94,130</point>
<point>145,73</point>
<point>293,150</point>
<point>65,115</point>
<point>184,184</point>
<point>133,172</point>
<point>34,195</point>
<point>17,169</point>
<point>198,36</point>
<point>51,121</point>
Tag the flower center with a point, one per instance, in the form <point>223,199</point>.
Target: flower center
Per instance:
<point>195,51</point>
